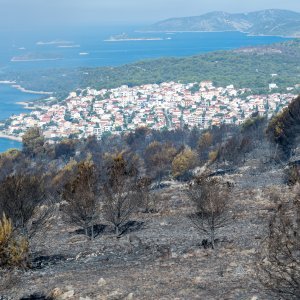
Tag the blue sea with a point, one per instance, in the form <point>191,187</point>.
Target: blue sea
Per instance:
<point>6,144</point>
<point>82,47</point>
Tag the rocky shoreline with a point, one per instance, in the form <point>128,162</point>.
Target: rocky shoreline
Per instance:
<point>22,89</point>
<point>10,137</point>
<point>26,105</point>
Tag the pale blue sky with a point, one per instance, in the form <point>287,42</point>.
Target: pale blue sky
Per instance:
<point>31,13</point>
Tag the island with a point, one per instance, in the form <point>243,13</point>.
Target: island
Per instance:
<point>55,42</point>
<point>124,38</point>
<point>35,57</point>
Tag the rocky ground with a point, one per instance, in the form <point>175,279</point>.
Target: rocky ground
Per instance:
<point>168,262</point>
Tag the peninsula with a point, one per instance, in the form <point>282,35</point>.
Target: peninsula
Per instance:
<point>245,67</point>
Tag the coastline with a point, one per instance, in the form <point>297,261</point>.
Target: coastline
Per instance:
<point>14,84</point>
<point>15,59</point>
<point>26,105</point>
<point>10,137</point>
<point>185,31</point>
<point>7,82</point>
<point>133,40</point>
<point>24,90</point>
<point>217,31</point>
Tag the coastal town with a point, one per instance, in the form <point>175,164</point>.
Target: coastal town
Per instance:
<point>168,105</point>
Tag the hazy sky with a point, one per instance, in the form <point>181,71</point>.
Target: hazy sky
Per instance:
<point>33,13</point>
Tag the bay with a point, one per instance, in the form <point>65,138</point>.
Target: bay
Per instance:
<point>6,144</point>
<point>88,47</point>
<point>9,98</point>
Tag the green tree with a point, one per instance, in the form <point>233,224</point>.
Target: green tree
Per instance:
<point>33,142</point>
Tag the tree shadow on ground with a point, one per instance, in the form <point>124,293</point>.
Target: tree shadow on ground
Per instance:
<point>128,227</point>
<point>36,296</point>
<point>98,229</point>
<point>131,226</point>
<point>41,262</point>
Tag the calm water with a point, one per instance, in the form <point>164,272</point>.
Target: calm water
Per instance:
<point>86,47</point>
<point>6,144</point>
<point>101,53</point>
<point>8,98</point>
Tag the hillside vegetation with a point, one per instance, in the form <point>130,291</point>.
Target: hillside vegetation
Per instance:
<point>265,22</point>
<point>245,68</point>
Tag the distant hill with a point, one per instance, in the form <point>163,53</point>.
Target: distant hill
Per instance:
<point>265,22</point>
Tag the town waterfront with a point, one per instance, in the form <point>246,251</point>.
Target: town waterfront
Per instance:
<point>9,98</point>
<point>97,52</point>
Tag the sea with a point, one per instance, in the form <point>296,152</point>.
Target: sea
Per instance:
<point>92,47</point>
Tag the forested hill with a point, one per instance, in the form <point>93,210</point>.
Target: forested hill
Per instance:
<point>265,22</point>
<point>247,67</point>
